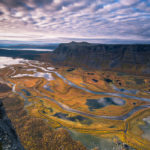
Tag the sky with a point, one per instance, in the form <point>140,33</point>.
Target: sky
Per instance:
<point>56,21</point>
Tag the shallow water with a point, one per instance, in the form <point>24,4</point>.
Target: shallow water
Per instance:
<point>103,102</point>
<point>33,69</point>
<point>81,119</point>
<point>26,92</point>
<point>48,88</point>
<point>102,93</point>
<point>6,61</point>
<point>47,76</point>
<point>122,117</point>
<point>125,90</point>
<point>30,49</point>
<point>26,102</point>
<point>91,141</point>
<point>146,128</point>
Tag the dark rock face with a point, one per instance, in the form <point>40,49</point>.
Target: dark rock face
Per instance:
<point>8,137</point>
<point>123,58</point>
<point>4,88</point>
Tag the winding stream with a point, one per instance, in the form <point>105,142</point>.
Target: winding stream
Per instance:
<point>101,93</point>
<point>122,117</point>
<point>64,107</point>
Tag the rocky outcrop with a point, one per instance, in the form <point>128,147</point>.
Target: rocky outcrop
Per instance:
<point>4,88</point>
<point>123,58</point>
<point>8,137</point>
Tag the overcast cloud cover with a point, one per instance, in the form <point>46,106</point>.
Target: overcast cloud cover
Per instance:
<point>104,21</point>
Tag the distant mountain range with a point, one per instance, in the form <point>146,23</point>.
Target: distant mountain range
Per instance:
<point>31,55</point>
<point>129,58</point>
<point>31,46</point>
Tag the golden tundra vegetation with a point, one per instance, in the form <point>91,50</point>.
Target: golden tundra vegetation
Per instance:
<point>41,119</point>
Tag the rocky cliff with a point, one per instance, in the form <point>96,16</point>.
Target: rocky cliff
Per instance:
<point>8,137</point>
<point>123,58</point>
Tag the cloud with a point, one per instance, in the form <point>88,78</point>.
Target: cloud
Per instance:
<point>49,20</point>
<point>13,3</point>
<point>1,13</point>
<point>129,2</point>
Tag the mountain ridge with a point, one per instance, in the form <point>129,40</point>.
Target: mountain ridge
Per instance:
<point>131,58</point>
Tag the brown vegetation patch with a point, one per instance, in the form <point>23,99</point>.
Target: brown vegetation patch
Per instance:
<point>34,133</point>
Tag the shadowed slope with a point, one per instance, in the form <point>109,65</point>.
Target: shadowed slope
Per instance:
<point>123,58</point>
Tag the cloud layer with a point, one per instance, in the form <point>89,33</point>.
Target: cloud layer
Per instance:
<point>107,21</point>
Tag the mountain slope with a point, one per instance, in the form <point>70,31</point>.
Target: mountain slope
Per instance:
<point>123,58</point>
<point>8,137</point>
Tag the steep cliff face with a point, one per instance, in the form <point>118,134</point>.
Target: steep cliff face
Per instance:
<point>124,58</point>
<point>8,137</point>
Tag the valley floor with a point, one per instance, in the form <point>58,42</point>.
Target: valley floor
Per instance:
<point>101,110</point>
